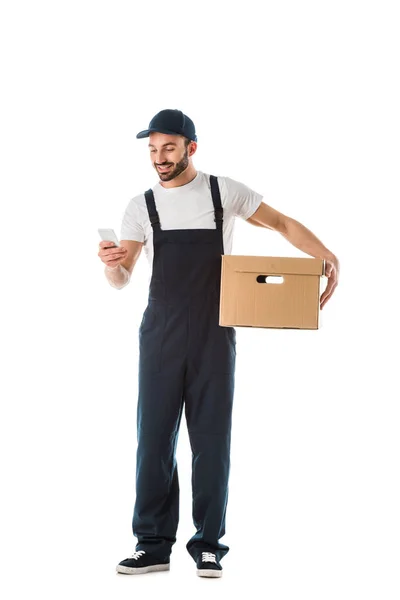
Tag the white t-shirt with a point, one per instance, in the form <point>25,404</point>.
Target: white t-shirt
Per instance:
<point>189,206</point>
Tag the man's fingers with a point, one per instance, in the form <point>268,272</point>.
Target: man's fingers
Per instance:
<point>327,290</point>
<point>332,276</point>
<point>327,293</point>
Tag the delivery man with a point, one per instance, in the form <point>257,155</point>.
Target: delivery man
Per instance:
<point>186,359</point>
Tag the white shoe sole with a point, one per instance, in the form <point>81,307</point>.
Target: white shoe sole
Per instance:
<point>208,573</point>
<point>139,570</point>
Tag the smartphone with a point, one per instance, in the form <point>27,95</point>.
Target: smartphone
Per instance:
<point>108,235</point>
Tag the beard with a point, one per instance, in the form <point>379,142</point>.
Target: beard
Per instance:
<point>174,171</point>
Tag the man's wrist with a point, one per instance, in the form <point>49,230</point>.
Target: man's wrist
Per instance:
<point>330,256</point>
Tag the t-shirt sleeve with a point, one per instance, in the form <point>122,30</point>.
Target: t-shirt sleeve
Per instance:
<point>131,227</point>
<point>244,200</point>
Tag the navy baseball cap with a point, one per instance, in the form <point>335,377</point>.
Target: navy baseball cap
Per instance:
<point>171,121</point>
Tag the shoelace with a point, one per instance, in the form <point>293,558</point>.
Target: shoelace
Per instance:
<point>137,554</point>
<point>208,557</point>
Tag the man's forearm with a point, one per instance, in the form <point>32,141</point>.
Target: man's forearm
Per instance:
<point>304,239</point>
<point>117,277</point>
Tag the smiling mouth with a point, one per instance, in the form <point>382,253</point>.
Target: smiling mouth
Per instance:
<point>163,168</point>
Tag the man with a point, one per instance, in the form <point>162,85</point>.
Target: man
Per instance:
<point>186,359</point>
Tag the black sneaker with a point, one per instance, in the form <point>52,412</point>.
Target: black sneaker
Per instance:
<point>141,562</point>
<point>208,565</point>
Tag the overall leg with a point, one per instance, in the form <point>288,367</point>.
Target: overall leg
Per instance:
<point>209,392</point>
<point>159,411</point>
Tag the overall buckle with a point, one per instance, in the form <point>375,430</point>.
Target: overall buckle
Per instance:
<point>218,213</point>
<point>154,220</point>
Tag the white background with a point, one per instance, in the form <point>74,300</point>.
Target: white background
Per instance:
<point>298,100</point>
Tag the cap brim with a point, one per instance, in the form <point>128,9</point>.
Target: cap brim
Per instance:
<point>146,132</point>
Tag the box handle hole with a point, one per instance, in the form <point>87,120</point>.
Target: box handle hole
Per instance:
<point>269,279</point>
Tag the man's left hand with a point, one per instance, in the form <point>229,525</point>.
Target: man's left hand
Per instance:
<point>332,268</point>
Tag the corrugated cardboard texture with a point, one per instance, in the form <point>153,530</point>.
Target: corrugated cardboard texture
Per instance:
<point>249,299</point>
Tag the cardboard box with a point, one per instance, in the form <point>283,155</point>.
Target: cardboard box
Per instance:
<point>270,291</point>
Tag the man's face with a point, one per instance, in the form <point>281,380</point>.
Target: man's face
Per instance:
<point>168,151</point>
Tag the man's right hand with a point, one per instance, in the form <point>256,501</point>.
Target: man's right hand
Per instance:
<point>110,254</point>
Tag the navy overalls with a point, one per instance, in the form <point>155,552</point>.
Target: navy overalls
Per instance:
<point>185,359</point>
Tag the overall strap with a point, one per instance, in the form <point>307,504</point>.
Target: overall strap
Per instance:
<point>216,197</point>
<point>218,210</point>
<point>151,209</point>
